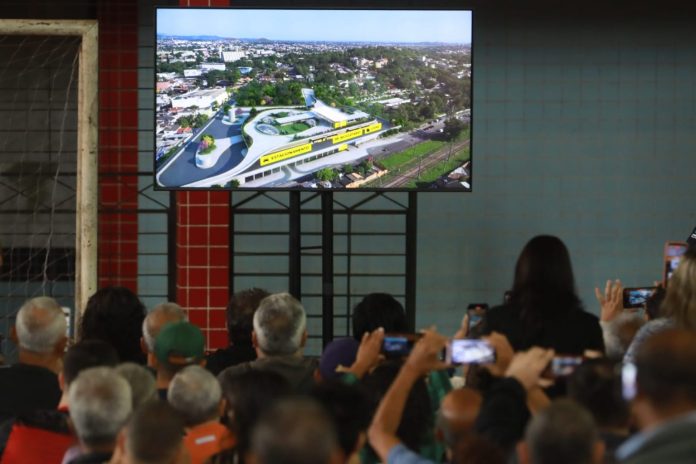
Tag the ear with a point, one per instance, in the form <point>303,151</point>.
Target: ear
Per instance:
<point>143,346</point>
<point>317,376</point>
<point>222,407</point>
<point>254,339</point>
<point>304,339</point>
<point>121,441</point>
<point>598,452</point>
<point>522,453</point>
<point>13,335</point>
<point>60,347</point>
<point>61,381</point>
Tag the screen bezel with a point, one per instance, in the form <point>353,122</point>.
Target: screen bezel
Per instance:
<point>437,6</point>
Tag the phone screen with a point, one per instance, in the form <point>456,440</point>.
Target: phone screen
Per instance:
<point>469,351</point>
<point>562,366</point>
<point>628,381</point>
<point>636,297</point>
<point>673,254</point>
<point>398,345</point>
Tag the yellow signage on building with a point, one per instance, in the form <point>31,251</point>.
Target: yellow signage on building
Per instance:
<point>373,127</point>
<point>340,124</point>
<point>285,154</point>
<point>343,147</point>
<point>346,136</point>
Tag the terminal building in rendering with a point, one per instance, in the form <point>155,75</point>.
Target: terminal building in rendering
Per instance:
<point>271,147</point>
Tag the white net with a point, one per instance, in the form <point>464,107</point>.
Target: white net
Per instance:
<point>38,161</point>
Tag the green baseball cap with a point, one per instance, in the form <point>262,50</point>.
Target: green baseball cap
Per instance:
<point>179,343</point>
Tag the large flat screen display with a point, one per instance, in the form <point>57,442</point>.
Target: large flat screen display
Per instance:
<point>313,99</point>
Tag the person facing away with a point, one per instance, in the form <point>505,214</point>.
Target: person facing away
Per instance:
<point>664,406</point>
<point>32,383</point>
<point>100,404</point>
<point>115,315</point>
<point>562,433</point>
<point>240,324</point>
<point>43,436</point>
<point>279,337</point>
<point>161,315</point>
<point>544,309</point>
<point>197,396</point>
<point>178,345</point>
<point>153,434</point>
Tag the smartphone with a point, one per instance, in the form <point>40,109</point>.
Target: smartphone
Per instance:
<point>636,297</point>
<point>399,345</point>
<point>477,314</point>
<point>691,241</point>
<point>673,254</point>
<point>628,381</point>
<point>468,351</point>
<point>561,366</point>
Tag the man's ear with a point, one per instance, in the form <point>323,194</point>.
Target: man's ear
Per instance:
<point>13,335</point>
<point>121,441</point>
<point>254,339</point>
<point>522,453</point>
<point>304,339</point>
<point>598,452</point>
<point>222,407</point>
<point>59,350</point>
<point>143,346</point>
<point>61,381</point>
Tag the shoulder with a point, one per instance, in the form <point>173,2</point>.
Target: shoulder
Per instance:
<point>234,370</point>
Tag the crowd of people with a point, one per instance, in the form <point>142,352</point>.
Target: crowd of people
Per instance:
<point>137,387</point>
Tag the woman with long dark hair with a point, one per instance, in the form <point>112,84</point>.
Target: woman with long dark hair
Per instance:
<point>544,308</point>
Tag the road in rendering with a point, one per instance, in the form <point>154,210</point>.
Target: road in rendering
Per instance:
<point>183,169</point>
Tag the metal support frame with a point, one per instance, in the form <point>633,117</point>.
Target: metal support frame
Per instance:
<point>327,207</point>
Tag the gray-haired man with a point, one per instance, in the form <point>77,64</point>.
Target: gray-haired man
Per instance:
<point>32,383</point>
<point>279,336</point>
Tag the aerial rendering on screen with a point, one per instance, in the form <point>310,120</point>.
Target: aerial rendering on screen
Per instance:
<point>311,99</point>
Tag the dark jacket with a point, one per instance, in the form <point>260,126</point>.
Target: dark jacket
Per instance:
<point>299,371</point>
<point>230,356</point>
<point>673,443</point>
<point>571,332</point>
<point>26,388</point>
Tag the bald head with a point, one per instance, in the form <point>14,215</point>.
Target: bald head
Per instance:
<point>458,412</point>
<point>162,314</point>
<point>41,326</point>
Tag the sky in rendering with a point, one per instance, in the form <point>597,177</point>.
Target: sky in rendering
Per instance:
<point>319,25</point>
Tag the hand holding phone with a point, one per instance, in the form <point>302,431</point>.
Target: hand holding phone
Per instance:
<point>561,366</point>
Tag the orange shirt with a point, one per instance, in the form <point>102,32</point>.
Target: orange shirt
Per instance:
<point>207,439</point>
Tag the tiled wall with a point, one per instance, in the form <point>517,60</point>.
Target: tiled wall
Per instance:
<point>118,143</point>
<point>202,249</point>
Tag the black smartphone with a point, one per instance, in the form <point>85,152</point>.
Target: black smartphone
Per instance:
<point>469,351</point>
<point>561,366</point>
<point>636,297</point>
<point>691,241</point>
<point>477,314</point>
<point>399,345</point>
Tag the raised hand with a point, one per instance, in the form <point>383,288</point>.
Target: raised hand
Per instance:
<point>611,301</point>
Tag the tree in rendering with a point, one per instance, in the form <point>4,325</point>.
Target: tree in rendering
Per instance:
<point>326,174</point>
